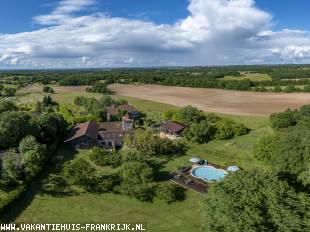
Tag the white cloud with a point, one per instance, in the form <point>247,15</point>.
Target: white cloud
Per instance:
<point>215,32</point>
<point>63,11</point>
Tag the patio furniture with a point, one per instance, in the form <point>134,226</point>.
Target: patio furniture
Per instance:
<point>233,169</point>
<point>195,160</point>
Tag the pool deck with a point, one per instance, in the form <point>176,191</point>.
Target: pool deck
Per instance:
<point>196,184</point>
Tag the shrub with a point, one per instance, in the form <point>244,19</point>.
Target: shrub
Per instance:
<point>240,129</point>
<point>202,132</point>
<point>136,178</point>
<point>48,89</point>
<point>225,129</point>
<point>283,120</point>
<point>166,192</point>
<point>79,172</point>
<point>307,88</point>
<point>102,157</point>
<point>290,89</point>
<point>277,89</point>
<point>265,148</point>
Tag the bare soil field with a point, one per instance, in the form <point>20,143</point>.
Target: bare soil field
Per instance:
<point>216,100</point>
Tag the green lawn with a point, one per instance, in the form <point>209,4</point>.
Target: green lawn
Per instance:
<point>76,206</point>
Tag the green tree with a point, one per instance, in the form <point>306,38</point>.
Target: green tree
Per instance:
<point>27,144</point>
<point>1,88</point>
<point>48,101</point>
<point>190,114</point>
<point>283,120</point>
<point>149,145</point>
<point>32,160</point>
<point>290,89</point>
<point>99,87</point>
<point>33,155</point>
<point>255,200</point>
<point>293,151</point>
<point>11,167</point>
<point>240,129</point>
<point>266,147</point>
<point>143,141</point>
<point>136,178</point>
<point>277,89</point>
<point>106,101</point>
<point>9,92</point>
<point>132,155</point>
<point>7,105</point>
<point>171,114</point>
<point>225,129</point>
<point>202,132</point>
<point>48,89</point>
<point>79,172</point>
<point>52,126</point>
<point>13,127</point>
<point>103,157</point>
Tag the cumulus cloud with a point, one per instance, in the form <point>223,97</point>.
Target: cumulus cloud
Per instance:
<point>216,32</point>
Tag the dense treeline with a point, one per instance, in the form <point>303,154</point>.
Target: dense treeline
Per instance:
<point>27,140</point>
<point>204,77</point>
<point>202,128</point>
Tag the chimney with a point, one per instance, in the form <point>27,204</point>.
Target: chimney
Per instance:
<point>127,124</point>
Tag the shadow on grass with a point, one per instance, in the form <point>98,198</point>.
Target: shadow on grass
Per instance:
<point>57,186</point>
<point>38,186</point>
<point>180,193</point>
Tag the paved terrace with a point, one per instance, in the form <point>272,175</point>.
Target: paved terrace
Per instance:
<point>195,184</point>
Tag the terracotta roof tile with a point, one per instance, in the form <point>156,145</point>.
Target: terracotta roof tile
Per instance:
<point>90,129</point>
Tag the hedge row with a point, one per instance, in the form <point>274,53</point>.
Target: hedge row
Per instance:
<point>19,192</point>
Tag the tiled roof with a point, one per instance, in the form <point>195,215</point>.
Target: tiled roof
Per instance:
<point>172,126</point>
<point>110,126</point>
<point>106,130</point>
<point>90,129</point>
<point>127,107</point>
<point>108,135</point>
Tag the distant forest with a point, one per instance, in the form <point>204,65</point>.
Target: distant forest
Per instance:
<point>295,78</point>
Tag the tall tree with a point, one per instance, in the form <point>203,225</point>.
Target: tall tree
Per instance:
<point>255,201</point>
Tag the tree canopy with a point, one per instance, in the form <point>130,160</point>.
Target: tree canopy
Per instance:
<point>255,201</point>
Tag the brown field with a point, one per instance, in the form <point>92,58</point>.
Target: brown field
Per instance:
<point>216,100</point>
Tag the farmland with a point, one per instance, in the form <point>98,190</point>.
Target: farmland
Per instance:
<point>217,101</point>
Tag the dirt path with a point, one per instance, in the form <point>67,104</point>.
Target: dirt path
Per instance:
<point>216,100</point>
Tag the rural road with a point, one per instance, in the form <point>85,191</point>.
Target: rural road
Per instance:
<point>216,100</point>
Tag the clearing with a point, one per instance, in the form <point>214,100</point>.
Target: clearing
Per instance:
<point>216,100</point>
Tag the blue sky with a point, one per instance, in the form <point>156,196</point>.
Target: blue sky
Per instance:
<point>107,33</point>
<point>16,15</point>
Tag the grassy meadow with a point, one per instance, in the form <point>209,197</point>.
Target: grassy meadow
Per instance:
<point>249,75</point>
<point>75,206</point>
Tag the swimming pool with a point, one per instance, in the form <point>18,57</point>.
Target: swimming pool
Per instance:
<point>208,173</point>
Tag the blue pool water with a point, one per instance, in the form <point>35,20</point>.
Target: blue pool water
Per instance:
<point>209,173</point>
